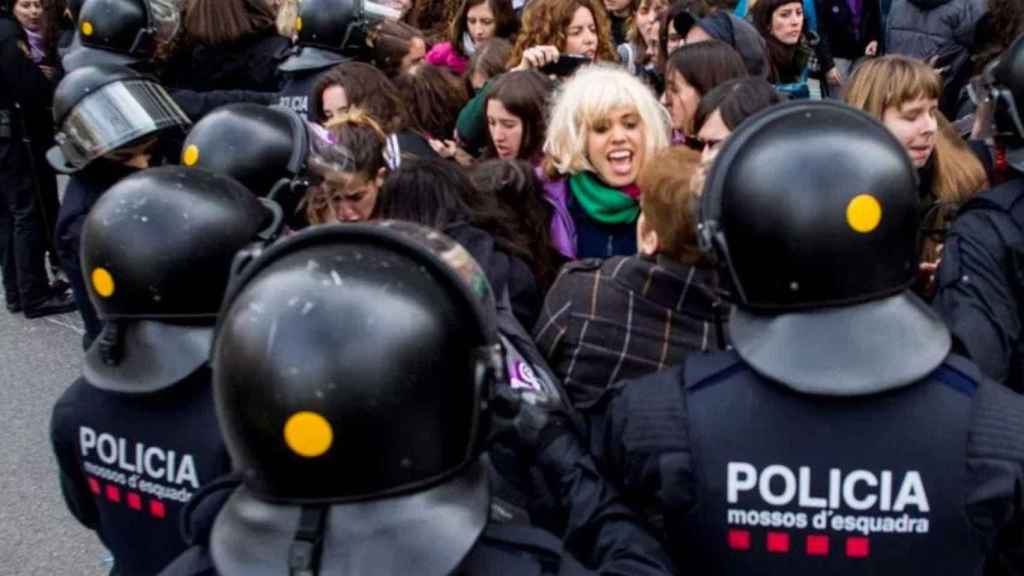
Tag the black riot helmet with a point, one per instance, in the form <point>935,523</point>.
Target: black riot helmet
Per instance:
<point>812,210</point>
<point>352,369</point>
<point>124,32</point>
<point>99,109</point>
<point>1002,83</point>
<point>156,254</point>
<point>330,31</point>
<point>265,149</point>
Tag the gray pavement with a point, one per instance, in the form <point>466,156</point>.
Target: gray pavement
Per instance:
<point>38,359</point>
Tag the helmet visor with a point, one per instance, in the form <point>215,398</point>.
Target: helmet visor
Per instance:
<point>116,115</point>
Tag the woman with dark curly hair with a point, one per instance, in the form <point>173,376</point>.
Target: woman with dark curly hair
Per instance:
<point>555,27</point>
<point>433,98</point>
<point>519,194</point>
<point>395,47</point>
<point>358,85</point>
<point>477,22</point>
<point>438,194</point>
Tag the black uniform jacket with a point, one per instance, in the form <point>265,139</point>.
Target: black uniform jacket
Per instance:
<point>747,476</point>
<point>129,463</point>
<point>980,282</point>
<point>605,536</point>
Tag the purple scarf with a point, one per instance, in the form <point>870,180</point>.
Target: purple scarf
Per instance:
<point>37,46</point>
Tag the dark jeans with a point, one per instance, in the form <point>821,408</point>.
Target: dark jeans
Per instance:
<point>22,236</point>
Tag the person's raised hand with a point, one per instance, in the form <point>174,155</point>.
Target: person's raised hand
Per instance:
<point>537,57</point>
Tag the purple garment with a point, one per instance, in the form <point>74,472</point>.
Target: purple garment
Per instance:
<point>856,9</point>
<point>37,46</point>
<point>563,229</point>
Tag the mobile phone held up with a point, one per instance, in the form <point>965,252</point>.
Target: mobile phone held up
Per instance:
<point>565,65</point>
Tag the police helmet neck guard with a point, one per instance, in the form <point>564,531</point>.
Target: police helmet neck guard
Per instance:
<point>156,254</point>
<point>264,148</point>
<point>811,210</point>
<point>102,108</point>
<point>1004,82</point>
<point>329,338</point>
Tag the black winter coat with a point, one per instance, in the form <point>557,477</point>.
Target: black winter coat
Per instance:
<point>503,270</point>
<point>249,64</point>
<point>837,30</point>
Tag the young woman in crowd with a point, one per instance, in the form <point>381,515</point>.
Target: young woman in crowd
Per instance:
<point>357,85</point>
<point>515,109</point>
<point>38,23</point>
<point>520,197</point>
<point>396,47</point>
<point>641,47</point>
<point>782,24</point>
<point>437,194</point>
<point>692,71</point>
<point>350,167</point>
<point>477,22</point>
<point>555,27</point>
<point>597,143</point>
<point>904,94</point>
<point>229,45</point>
<point>722,110</point>
<point>680,17</point>
<point>655,306</point>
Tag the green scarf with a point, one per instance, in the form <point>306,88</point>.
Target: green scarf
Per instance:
<point>603,204</point>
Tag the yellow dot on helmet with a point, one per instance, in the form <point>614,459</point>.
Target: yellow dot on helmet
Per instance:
<point>864,213</point>
<point>86,28</point>
<point>298,23</point>
<point>308,434</point>
<point>191,155</point>
<point>103,282</point>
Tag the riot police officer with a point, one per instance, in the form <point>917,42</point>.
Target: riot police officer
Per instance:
<point>122,32</point>
<point>109,120</point>
<point>136,436</point>
<point>329,32</point>
<point>980,282</point>
<point>266,149</point>
<point>839,436</point>
<point>355,371</point>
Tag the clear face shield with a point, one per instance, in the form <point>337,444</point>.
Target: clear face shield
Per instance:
<point>116,115</point>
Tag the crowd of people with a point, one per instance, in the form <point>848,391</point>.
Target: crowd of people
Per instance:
<point>541,286</point>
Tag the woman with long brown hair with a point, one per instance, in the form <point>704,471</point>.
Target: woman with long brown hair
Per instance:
<point>477,22</point>
<point>903,93</point>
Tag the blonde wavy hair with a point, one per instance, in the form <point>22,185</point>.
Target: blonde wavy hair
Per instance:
<point>545,23</point>
<point>578,105</point>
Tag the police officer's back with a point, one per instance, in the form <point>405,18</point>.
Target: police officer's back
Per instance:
<point>840,437</point>
<point>136,436</point>
<point>354,368</point>
<point>980,282</point>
